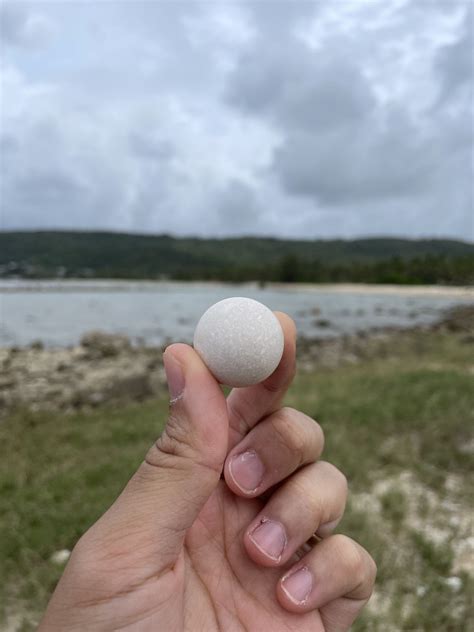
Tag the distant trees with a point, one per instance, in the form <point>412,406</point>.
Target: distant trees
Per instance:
<point>289,269</point>
<point>111,255</point>
<point>426,270</point>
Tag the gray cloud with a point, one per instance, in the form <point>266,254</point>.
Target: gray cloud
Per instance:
<point>238,209</point>
<point>347,149</point>
<point>455,61</point>
<point>293,118</point>
<point>12,23</point>
<point>146,147</point>
<point>21,27</point>
<point>352,166</point>
<point>301,89</point>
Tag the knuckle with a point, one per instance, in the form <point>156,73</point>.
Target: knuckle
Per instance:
<point>289,432</point>
<point>318,511</point>
<point>342,482</point>
<point>338,477</point>
<point>318,436</point>
<point>352,556</point>
<point>178,450</point>
<point>165,453</point>
<point>238,413</point>
<point>372,569</point>
<point>174,441</point>
<point>360,573</point>
<point>308,501</point>
<point>288,412</point>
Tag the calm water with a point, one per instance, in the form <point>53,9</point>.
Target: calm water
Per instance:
<point>58,313</point>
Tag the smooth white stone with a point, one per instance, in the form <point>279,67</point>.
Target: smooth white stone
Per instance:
<point>240,340</point>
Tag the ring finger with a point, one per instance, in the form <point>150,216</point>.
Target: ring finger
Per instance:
<point>311,501</point>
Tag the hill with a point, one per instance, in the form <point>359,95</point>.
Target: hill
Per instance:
<point>44,254</point>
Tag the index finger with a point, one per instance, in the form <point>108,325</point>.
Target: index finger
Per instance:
<point>246,406</point>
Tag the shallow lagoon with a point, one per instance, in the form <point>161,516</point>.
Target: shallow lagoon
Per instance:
<point>59,312</point>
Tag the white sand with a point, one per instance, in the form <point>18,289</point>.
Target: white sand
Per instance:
<point>365,288</point>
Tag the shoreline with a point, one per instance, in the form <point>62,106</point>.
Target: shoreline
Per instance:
<point>385,289</point>
<point>107,369</point>
<point>127,285</point>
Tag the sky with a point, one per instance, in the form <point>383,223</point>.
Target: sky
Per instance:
<point>336,118</point>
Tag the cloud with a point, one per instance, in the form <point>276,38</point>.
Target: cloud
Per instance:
<point>355,165</point>
<point>346,143</point>
<point>294,119</point>
<point>300,89</point>
<point>238,209</point>
<point>455,61</point>
<point>19,27</point>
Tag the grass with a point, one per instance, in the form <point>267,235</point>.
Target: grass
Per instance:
<point>398,425</point>
<point>394,508</point>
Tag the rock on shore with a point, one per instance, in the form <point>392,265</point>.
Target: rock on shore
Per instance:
<point>106,368</point>
<point>103,368</point>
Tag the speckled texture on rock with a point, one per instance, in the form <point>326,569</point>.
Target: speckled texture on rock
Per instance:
<point>240,340</point>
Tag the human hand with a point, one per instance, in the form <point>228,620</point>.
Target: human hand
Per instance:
<point>183,549</point>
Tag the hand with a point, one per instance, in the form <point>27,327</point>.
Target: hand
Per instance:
<point>183,549</point>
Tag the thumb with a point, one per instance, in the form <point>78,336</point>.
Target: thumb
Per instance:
<point>183,467</point>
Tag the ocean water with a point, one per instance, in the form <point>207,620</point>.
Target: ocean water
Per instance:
<point>59,312</point>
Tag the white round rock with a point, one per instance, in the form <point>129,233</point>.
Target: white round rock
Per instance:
<point>240,340</point>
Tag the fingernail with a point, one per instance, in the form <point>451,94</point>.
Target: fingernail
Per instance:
<point>270,538</point>
<point>174,377</point>
<point>246,471</point>
<point>298,585</point>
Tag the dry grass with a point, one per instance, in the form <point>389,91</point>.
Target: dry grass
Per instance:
<point>398,426</point>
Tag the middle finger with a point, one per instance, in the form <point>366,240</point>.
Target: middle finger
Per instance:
<point>271,451</point>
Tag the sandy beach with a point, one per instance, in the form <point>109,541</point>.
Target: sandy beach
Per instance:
<point>393,290</point>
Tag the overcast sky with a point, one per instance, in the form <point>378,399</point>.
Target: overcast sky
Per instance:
<point>290,118</point>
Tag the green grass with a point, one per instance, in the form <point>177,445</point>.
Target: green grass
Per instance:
<point>394,508</point>
<point>397,425</point>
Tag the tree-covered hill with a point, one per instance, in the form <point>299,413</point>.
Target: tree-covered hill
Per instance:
<point>116,255</point>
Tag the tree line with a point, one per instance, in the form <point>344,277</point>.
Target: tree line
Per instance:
<point>426,270</point>
<point>114,255</point>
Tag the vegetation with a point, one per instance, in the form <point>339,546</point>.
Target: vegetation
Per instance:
<point>114,255</point>
<point>397,425</point>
